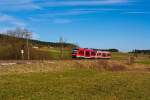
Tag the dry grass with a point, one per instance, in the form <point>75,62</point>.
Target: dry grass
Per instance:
<point>33,67</point>
<point>74,80</point>
<point>46,66</point>
<point>58,65</point>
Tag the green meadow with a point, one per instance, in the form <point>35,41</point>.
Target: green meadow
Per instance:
<point>75,80</point>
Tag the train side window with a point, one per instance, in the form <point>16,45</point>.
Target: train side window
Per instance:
<point>104,54</point>
<point>108,54</point>
<point>81,52</point>
<point>99,54</point>
<point>87,53</point>
<point>93,54</point>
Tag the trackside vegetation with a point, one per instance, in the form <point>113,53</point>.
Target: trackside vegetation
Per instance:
<point>11,45</point>
<point>75,80</point>
<point>76,85</point>
<point>51,73</point>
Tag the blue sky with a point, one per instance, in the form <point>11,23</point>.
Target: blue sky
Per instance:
<point>122,24</point>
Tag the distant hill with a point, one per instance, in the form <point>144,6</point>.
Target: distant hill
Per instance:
<point>141,51</point>
<point>10,49</point>
<point>8,39</point>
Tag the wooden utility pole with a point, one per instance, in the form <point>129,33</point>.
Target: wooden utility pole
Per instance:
<point>28,50</point>
<point>61,47</point>
<point>131,59</point>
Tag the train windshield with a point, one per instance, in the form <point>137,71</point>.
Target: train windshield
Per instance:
<point>74,51</point>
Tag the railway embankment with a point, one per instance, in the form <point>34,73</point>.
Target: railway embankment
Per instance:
<point>18,67</point>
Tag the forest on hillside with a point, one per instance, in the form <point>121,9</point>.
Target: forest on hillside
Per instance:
<point>141,51</point>
<point>13,41</point>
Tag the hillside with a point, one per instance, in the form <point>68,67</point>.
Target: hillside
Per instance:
<point>39,43</point>
<point>10,48</point>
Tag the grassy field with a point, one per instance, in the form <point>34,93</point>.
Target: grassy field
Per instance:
<point>75,85</point>
<point>74,80</point>
<point>77,80</point>
<point>120,56</point>
<point>56,53</point>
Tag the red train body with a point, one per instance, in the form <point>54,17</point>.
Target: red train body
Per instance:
<point>90,54</point>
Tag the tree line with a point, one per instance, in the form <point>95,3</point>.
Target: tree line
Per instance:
<point>111,50</point>
<point>13,41</point>
<point>141,51</point>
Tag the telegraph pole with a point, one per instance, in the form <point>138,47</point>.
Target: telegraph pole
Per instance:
<point>61,47</point>
<point>28,50</point>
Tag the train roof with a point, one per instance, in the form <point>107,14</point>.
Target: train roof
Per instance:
<point>96,50</point>
<point>103,52</point>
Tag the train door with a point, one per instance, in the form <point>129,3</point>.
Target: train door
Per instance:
<point>88,53</point>
<point>80,53</point>
<point>99,55</point>
<point>104,55</point>
<point>93,54</point>
<point>108,55</point>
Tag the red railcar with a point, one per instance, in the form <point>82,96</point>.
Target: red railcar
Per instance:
<point>90,53</point>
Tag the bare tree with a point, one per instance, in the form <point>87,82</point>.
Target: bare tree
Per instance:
<point>20,33</point>
<point>28,34</point>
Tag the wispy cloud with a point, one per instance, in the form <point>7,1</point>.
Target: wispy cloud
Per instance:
<point>55,16</point>
<point>61,17</point>
<point>72,12</point>
<point>10,20</point>
<point>35,35</point>
<point>3,30</point>
<point>86,11</point>
<point>137,12</point>
<point>17,5</point>
<point>84,3</point>
<point>55,20</point>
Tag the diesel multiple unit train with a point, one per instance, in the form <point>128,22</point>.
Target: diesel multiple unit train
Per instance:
<point>86,53</point>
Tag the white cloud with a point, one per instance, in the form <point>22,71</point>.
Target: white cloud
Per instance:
<point>85,11</point>
<point>58,17</point>
<point>3,30</point>
<point>137,12</point>
<point>83,3</point>
<point>35,35</point>
<point>71,12</point>
<point>10,20</point>
<point>15,5</point>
